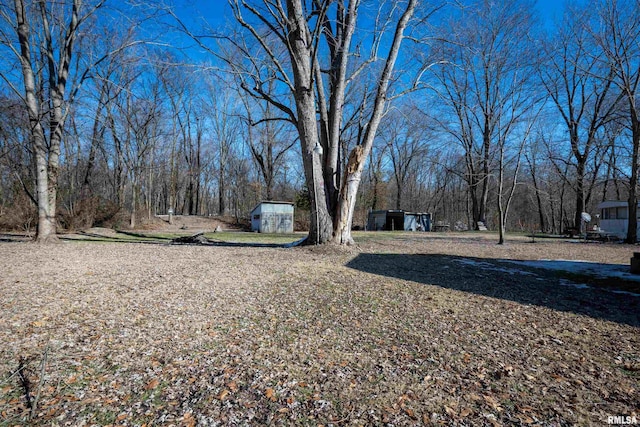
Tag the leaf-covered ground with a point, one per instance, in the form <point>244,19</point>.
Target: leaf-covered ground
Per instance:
<point>405,329</point>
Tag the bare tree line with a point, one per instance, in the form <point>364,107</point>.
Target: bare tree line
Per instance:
<point>476,112</point>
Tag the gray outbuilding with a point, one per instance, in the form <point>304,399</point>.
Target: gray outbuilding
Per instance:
<point>272,217</point>
<point>397,220</point>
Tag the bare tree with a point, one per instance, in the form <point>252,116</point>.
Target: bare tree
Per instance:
<point>48,39</point>
<point>268,138</point>
<point>614,131</point>
<point>482,80</point>
<point>222,115</point>
<point>405,135</point>
<point>573,77</point>
<point>532,156</point>
<point>311,54</point>
<point>510,148</point>
<point>38,36</point>
<point>619,40</point>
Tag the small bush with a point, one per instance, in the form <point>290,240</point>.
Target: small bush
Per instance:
<point>20,215</point>
<point>87,213</point>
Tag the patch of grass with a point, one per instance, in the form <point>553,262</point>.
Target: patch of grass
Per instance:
<point>245,237</point>
<point>164,237</point>
<point>378,236</point>
<point>104,417</point>
<point>148,236</point>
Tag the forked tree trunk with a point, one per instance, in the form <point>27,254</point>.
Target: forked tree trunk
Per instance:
<point>331,217</point>
<point>343,218</point>
<point>46,216</point>
<point>47,153</point>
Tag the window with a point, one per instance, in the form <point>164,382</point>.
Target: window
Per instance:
<point>256,217</point>
<point>612,213</point>
<point>623,213</point>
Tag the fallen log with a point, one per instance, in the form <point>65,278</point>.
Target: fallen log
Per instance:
<point>196,239</point>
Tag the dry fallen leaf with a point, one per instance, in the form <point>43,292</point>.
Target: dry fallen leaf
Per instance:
<point>466,412</point>
<point>491,401</point>
<point>152,384</point>
<point>526,419</point>
<point>188,420</point>
<point>270,394</point>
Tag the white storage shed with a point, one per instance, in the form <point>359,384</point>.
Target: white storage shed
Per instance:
<point>272,217</point>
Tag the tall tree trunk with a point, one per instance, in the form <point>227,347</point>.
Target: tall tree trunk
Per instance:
<point>134,192</point>
<point>222,188</point>
<point>486,160</point>
<point>554,227</point>
<point>580,205</point>
<point>300,51</point>
<point>501,209</point>
<point>46,217</point>
<point>536,188</point>
<point>398,194</point>
<point>355,164</point>
<point>543,225</point>
<point>321,221</point>
<point>632,232</point>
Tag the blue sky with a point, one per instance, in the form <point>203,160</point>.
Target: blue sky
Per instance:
<point>216,11</point>
<point>550,9</point>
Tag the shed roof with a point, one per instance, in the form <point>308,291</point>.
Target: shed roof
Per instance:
<point>384,211</point>
<point>613,204</point>
<point>271,202</point>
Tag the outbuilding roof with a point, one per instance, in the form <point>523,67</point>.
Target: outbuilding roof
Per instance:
<point>272,202</point>
<point>613,204</point>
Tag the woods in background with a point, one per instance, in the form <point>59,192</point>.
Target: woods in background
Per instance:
<point>111,113</point>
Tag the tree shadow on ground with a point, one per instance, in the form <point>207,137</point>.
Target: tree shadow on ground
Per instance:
<point>504,279</point>
<point>14,238</point>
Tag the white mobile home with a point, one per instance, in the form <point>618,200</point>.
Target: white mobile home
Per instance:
<point>614,218</point>
<point>272,217</point>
